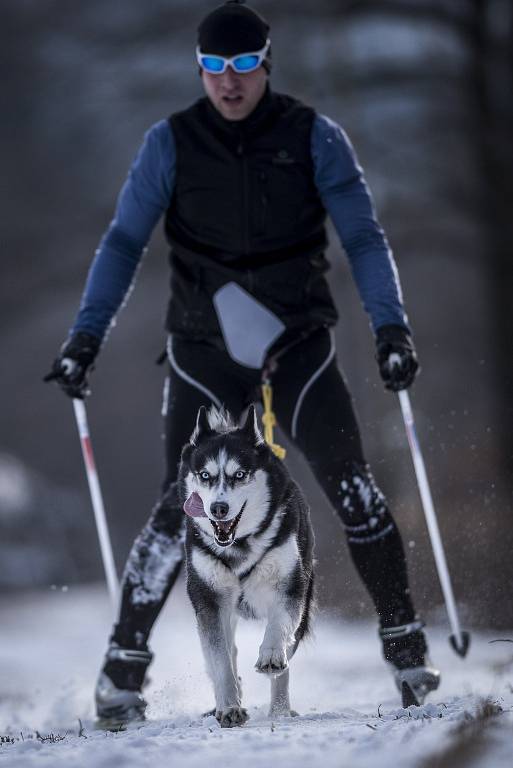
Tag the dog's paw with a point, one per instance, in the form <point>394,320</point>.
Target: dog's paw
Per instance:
<point>282,712</point>
<point>231,717</point>
<point>272,661</point>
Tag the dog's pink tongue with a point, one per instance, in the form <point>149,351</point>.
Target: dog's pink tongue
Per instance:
<point>194,506</point>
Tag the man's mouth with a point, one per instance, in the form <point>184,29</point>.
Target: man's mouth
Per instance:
<point>224,530</point>
<point>235,99</point>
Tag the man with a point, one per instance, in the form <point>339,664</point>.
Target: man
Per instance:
<point>244,179</point>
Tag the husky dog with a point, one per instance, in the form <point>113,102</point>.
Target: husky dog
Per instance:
<point>249,548</point>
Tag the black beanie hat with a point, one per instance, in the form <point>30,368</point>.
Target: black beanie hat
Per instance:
<point>232,28</point>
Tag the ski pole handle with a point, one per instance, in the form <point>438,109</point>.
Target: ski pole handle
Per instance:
<point>97,501</point>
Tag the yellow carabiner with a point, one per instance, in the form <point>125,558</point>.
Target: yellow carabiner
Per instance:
<point>269,421</point>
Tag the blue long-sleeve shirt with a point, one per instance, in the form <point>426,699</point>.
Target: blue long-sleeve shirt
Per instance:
<point>146,196</point>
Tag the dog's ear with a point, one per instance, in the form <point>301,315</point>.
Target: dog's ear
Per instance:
<point>250,428</point>
<point>202,427</point>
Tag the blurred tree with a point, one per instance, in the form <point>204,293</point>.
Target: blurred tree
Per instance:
<point>485,27</point>
<point>491,86</point>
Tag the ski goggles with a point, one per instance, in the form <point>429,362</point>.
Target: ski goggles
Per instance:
<point>241,63</point>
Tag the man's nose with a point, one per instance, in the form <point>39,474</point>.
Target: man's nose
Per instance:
<point>219,509</point>
<point>229,77</point>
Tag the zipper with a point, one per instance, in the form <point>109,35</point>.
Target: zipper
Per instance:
<point>245,197</point>
<point>263,199</point>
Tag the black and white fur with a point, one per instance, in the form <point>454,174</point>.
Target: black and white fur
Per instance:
<point>256,561</point>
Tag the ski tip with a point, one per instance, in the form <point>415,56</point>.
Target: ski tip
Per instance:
<point>460,645</point>
<point>408,696</point>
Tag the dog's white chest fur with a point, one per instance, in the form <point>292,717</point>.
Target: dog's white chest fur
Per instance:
<point>258,590</point>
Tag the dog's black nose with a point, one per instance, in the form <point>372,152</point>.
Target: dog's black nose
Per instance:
<point>219,509</point>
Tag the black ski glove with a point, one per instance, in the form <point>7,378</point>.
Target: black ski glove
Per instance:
<point>400,371</point>
<point>75,362</point>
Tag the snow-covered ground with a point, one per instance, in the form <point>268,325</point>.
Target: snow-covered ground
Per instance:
<point>51,644</point>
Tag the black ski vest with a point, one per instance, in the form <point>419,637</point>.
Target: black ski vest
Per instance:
<point>245,209</point>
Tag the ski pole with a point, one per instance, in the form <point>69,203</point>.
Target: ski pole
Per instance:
<point>459,639</point>
<point>97,500</point>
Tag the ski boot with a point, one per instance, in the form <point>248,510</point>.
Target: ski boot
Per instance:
<point>118,696</point>
<point>405,650</point>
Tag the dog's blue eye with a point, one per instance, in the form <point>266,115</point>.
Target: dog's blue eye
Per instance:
<point>240,475</point>
<point>204,475</point>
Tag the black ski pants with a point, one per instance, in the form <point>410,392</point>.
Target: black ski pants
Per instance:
<point>314,408</point>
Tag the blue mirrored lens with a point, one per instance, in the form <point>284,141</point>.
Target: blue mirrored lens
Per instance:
<point>245,63</point>
<point>212,63</point>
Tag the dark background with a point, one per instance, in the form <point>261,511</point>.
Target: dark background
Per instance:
<point>424,90</point>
